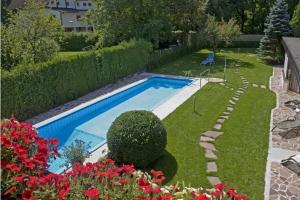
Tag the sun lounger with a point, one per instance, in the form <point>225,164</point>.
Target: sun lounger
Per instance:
<point>292,163</point>
<point>210,59</point>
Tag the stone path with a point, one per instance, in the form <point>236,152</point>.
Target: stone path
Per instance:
<point>208,138</point>
<point>281,182</point>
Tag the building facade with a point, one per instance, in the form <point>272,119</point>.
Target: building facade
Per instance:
<point>291,68</point>
<point>70,13</point>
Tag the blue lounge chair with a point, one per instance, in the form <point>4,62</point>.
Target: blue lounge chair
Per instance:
<point>210,59</point>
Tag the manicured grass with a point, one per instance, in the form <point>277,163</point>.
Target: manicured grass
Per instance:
<point>64,54</point>
<point>184,160</point>
<point>242,150</point>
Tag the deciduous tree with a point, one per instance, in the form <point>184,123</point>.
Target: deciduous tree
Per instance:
<point>29,35</point>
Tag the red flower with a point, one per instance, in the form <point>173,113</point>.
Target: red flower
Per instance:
<point>219,186</point>
<point>13,167</point>
<point>10,190</point>
<point>27,195</point>
<point>64,191</point>
<point>128,169</point>
<point>109,161</point>
<point>231,192</point>
<point>142,182</point>
<point>31,182</point>
<point>217,194</point>
<point>202,197</point>
<point>158,176</point>
<point>19,178</point>
<point>240,197</point>
<point>92,193</point>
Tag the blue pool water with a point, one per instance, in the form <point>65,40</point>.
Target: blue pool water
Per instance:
<point>90,124</point>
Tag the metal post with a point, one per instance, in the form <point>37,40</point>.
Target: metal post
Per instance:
<point>194,103</point>
<point>225,69</point>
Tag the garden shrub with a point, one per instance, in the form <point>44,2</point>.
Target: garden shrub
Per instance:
<point>30,89</point>
<point>137,137</point>
<point>24,175</point>
<point>74,41</point>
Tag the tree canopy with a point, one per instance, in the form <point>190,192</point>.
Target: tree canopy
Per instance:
<point>295,22</point>
<point>29,35</point>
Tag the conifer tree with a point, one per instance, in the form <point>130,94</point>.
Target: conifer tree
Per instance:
<point>277,25</point>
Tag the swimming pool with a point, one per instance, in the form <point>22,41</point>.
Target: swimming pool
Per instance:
<point>91,123</point>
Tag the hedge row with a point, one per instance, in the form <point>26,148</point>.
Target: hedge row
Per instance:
<point>74,41</point>
<point>35,88</point>
<point>161,57</point>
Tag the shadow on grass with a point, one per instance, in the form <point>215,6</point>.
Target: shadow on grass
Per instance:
<point>167,164</point>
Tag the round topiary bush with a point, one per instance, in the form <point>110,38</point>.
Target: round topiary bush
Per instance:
<point>136,137</point>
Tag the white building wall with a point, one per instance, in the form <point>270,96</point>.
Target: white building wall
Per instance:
<point>286,63</point>
<point>70,19</point>
<point>71,13</point>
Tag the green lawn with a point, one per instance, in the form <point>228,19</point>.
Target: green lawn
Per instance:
<point>243,147</point>
<point>64,54</point>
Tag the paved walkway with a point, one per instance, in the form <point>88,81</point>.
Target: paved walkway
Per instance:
<point>208,138</point>
<point>281,183</point>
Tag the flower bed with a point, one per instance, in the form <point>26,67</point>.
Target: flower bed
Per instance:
<point>24,175</point>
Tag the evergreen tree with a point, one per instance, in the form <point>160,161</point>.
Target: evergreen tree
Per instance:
<point>295,22</point>
<point>277,25</point>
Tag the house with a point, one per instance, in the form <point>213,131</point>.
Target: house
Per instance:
<point>291,68</point>
<point>70,13</point>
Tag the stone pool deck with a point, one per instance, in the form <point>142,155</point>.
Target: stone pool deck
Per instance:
<point>281,183</point>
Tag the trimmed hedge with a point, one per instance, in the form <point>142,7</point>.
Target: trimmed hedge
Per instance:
<point>164,56</point>
<point>30,89</point>
<point>74,41</point>
<point>136,137</point>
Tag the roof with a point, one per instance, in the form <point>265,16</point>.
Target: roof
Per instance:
<point>292,47</point>
<point>72,10</point>
<point>15,4</point>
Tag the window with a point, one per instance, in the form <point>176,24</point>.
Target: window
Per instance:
<point>77,4</point>
<point>52,2</point>
<point>84,4</point>
<point>78,17</point>
<point>90,4</point>
<point>67,3</point>
<point>57,3</point>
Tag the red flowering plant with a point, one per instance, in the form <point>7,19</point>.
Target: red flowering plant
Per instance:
<point>24,175</point>
<point>24,155</point>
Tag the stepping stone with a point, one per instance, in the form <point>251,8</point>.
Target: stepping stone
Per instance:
<point>235,98</point>
<point>222,84</point>
<point>254,85</point>
<point>231,102</point>
<point>210,154</point>
<point>208,146</point>
<point>211,167</point>
<point>206,139</point>
<point>230,109</point>
<point>240,91</point>
<point>212,134</point>
<point>231,89</point>
<point>226,113</point>
<point>220,121</point>
<point>263,86</point>
<point>213,180</point>
<point>224,117</point>
<point>218,126</point>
